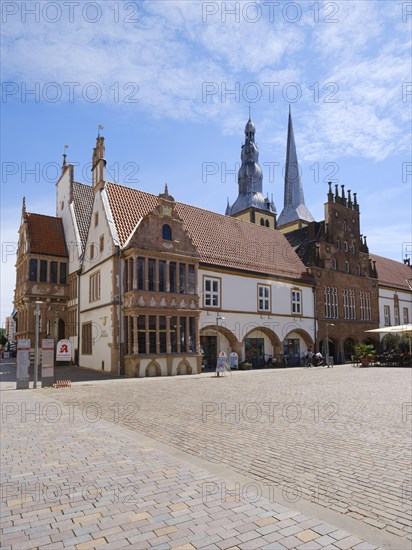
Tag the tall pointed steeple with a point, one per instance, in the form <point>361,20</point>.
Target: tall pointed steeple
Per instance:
<point>294,209</point>
<point>250,178</point>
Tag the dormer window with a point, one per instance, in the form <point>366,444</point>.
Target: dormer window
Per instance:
<point>166,232</point>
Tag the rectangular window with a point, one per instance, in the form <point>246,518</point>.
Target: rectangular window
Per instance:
<point>192,335</point>
<point>352,304</point>
<point>172,276</point>
<point>296,302</point>
<point>87,341</point>
<point>131,273</point>
<point>183,341</point>
<point>94,287</point>
<point>162,333</point>
<point>182,278</point>
<point>140,274</point>
<point>192,279</point>
<point>73,287</point>
<point>173,334</point>
<point>396,315</point>
<point>263,298</point>
<point>405,316</point>
<point>43,271</point>
<point>387,315</point>
<point>101,243</point>
<point>126,275</point>
<point>152,333</point>
<point>63,273</point>
<point>141,333</point>
<point>152,274</point>
<point>53,272</point>
<point>211,292</point>
<point>33,270</point>
<point>96,218</point>
<point>162,276</point>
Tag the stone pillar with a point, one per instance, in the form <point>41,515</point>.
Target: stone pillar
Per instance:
<point>178,334</point>
<point>197,339</point>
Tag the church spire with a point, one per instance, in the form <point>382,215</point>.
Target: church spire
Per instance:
<point>294,209</point>
<point>250,177</point>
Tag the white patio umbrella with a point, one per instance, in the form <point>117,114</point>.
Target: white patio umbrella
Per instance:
<point>399,329</point>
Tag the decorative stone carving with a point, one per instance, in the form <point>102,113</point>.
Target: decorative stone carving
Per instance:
<point>182,303</point>
<point>152,302</point>
<point>163,303</point>
<point>141,301</point>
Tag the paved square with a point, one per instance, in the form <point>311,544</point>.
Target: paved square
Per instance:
<point>266,459</point>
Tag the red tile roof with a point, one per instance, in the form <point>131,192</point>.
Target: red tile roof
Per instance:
<point>83,198</point>
<point>392,273</point>
<point>46,235</point>
<point>221,240</point>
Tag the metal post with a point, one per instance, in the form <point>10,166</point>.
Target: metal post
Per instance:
<point>36,342</point>
<point>327,343</point>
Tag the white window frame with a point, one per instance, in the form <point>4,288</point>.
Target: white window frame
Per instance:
<point>387,315</point>
<point>94,287</point>
<point>296,301</point>
<point>211,292</point>
<point>263,298</point>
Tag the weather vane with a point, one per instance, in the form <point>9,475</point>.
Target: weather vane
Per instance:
<point>100,127</point>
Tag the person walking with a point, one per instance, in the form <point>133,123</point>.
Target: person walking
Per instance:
<point>309,358</point>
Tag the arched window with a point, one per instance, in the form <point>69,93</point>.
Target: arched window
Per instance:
<point>262,221</point>
<point>345,226</point>
<point>347,267</point>
<point>338,244</point>
<point>334,265</point>
<point>267,223</point>
<point>345,244</point>
<point>166,232</point>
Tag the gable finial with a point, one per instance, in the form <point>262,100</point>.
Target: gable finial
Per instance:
<point>166,189</point>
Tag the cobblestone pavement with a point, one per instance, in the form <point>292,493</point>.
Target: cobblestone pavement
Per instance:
<point>301,459</point>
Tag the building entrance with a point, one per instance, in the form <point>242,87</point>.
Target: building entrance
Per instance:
<point>209,347</point>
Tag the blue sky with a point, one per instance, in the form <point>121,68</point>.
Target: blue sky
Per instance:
<point>171,83</point>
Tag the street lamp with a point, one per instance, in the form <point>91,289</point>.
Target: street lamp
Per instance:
<point>327,343</point>
<point>36,342</point>
<point>218,318</point>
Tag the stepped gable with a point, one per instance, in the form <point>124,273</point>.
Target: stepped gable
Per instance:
<point>83,206</point>
<point>221,240</point>
<point>392,273</point>
<point>46,235</point>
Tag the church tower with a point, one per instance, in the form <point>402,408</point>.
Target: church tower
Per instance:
<point>250,204</point>
<point>294,214</point>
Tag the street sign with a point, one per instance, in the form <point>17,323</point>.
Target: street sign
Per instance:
<point>234,360</point>
<point>221,362</point>
<point>23,363</point>
<point>47,362</point>
<point>64,350</point>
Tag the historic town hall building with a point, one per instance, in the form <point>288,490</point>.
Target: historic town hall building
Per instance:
<point>145,285</point>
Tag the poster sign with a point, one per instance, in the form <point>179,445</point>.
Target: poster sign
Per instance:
<point>23,363</point>
<point>47,361</point>
<point>234,360</point>
<point>64,350</point>
<point>221,362</point>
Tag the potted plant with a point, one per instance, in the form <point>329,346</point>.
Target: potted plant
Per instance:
<point>245,365</point>
<point>364,351</point>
